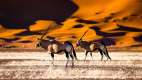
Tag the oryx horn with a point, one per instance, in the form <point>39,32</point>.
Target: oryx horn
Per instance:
<point>83,34</point>
<point>44,34</point>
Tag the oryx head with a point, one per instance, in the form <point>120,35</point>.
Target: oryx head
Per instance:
<point>40,40</point>
<point>80,40</point>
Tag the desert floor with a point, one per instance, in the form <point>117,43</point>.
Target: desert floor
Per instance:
<point>37,65</point>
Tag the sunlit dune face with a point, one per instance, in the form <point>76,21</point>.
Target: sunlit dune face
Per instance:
<point>88,9</point>
<point>133,22</point>
<point>98,9</point>
<point>31,38</point>
<point>108,27</point>
<point>41,25</point>
<point>125,42</point>
<point>9,32</point>
<point>67,31</point>
<point>128,39</point>
<point>22,45</point>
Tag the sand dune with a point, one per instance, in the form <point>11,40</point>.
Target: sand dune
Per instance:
<point>117,19</point>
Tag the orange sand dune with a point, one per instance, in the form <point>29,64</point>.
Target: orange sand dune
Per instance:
<point>107,14</point>
<point>42,25</point>
<point>6,33</point>
<point>97,9</point>
<point>118,9</point>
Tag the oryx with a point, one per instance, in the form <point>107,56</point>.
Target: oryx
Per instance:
<point>55,47</point>
<point>92,46</point>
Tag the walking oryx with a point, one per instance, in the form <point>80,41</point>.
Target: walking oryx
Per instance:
<point>55,47</point>
<point>92,46</point>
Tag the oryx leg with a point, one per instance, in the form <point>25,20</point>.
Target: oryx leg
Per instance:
<point>72,59</point>
<point>101,52</point>
<point>52,55</point>
<point>106,54</point>
<point>67,56</point>
<point>86,53</point>
<point>91,55</point>
<point>74,54</point>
